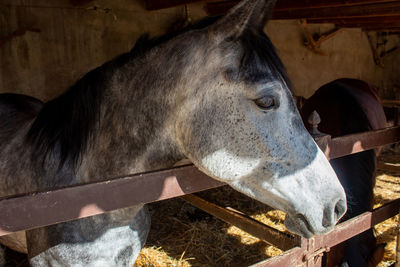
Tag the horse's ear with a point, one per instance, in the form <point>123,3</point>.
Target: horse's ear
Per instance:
<point>247,15</point>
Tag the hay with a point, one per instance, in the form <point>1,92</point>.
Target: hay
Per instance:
<point>182,235</point>
<point>387,188</point>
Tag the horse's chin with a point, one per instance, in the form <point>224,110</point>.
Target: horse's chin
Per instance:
<point>299,225</point>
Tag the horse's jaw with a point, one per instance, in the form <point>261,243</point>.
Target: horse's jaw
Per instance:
<point>312,197</point>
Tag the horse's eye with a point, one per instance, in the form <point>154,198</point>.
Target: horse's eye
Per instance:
<point>266,102</point>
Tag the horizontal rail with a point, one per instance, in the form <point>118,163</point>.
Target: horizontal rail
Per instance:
<point>388,167</point>
<point>46,208</point>
<point>308,4</point>
<point>367,14</point>
<point>359,224</point>
<point>389,29</point>
<point>354,143</point>
<point>362,21</point>
<point>342,232</point>
<point>367,10</point>
<point>161,4</point>
<point>280,5</point>
<point>333,11</point>
<point>380,26</point>
<point>391,103</point>
<point>264,232</point>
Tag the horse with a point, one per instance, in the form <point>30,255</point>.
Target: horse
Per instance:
<point>216,94</point>
<point>348,106</point>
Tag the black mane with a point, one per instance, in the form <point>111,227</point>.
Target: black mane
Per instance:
<point>62,130</point>
<point>64,125</point>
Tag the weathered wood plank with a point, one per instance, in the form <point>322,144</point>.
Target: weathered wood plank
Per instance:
<point>45,208</point>
<point>391,103</point>
<point>333,12</point>
<point>41,209</point>
<point>280,5</point>
<point>341,233</point>
<point>354,143</point>
<point>305,4</point>
<point>161,4</point>
<point>380,26</point>
<point>368,10</point>
<point>366,21</point>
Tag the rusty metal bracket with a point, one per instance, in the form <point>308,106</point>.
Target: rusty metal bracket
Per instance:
<point>378,47</point>
<point>314,42</point>
<point>374,47</point>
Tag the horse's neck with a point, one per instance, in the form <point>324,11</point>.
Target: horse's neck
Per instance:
<point>133,136</point>
<point>134,133</point>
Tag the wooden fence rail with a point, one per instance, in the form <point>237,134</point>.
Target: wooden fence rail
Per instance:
<point>307,254</point>
<point>45,208</point>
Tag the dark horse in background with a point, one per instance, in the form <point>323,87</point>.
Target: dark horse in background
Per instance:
<point>348,106</point>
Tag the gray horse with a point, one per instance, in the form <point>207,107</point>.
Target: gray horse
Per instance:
<point>217,95</point>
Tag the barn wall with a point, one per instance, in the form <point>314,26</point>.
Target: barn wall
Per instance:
<point>348,54</point>
<point>74,39</point>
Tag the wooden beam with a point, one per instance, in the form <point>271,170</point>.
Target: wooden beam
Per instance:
<point>366,10</point>
<point>44,208</point>
<point>383,29</point>
<point>354,143</point>
<point>306,4</point>
<point>280,5</point>
<point>367,20</point>
<point>370,26</point>
<point>391,31</point>
<point>80,2</point>
<point>60,205</point>
<point>219,8</point>
<point>342,232</point>
<point>388,167</point>
<point>161,4</point>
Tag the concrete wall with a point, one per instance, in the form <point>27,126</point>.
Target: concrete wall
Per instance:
<point>73,40</point>
<point>348,54</point>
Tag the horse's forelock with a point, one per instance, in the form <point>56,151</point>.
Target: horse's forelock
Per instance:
<point>260,61</point>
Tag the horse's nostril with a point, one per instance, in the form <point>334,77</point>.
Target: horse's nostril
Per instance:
<point>340,209</point>
<point>332,215</point>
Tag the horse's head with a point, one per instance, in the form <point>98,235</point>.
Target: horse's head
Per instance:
<point>238,123</point>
